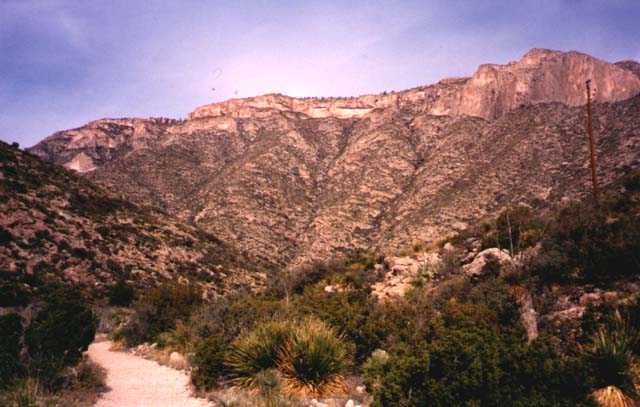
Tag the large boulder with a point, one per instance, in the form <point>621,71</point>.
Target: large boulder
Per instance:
<point>480,264</point>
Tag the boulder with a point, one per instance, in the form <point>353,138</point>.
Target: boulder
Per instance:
<point>477,267</point>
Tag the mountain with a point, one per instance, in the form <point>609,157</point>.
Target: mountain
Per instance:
<point>58,227</point>
<point>294,179</point>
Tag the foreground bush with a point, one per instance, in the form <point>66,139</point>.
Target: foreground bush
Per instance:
<point>208,363</point>
<point>466,359</point>
<point>309,357</point>
<point>314,361</point>
<point>10,348</point>
<point>61,331</point>
<point>258,351</point>
<point>611,359</point>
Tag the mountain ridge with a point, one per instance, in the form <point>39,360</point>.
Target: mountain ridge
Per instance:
<point>297,179</point>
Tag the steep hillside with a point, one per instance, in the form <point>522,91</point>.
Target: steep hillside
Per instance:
<point>56,226</point>
<point>296,179</point>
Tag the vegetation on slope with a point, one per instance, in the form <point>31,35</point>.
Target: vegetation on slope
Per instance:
<point>58,227</point>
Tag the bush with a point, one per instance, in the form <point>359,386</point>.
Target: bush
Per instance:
<point>309,356</point>
<point>257,351</point>
<point>610,355</point>
<point>62,330</point>
<point>28,393</point>
<point>492,367</point>
<point>314,361</point>
<point>159,311</point>
<point>10,348</point>
<point>208,363</point>
<point>121,294</point>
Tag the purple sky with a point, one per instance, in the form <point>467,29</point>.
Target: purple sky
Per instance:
<point>66,62</point>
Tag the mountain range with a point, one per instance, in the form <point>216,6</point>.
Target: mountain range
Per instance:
<point>290,180</point>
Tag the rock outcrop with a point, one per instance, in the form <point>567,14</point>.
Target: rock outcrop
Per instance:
<point>293,180</point>
<point>544,76</point>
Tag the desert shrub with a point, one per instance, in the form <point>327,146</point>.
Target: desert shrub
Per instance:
<point>492,366</point>
<point>182,338</point>
<point>374,369</point>
<point>86,375</point>
<point>10,348</point>
<point>208,363</point>
<point>61,330</point>
<point>159,310</point>
<point>121,294</point>
<point>313,361</point>
<point>257,351</point>
<point>611,354</point>
<point>13,293</point>
<point>592,244</point>
<point>309,356</point>
<point>28,393</point>
<point>515,229</point>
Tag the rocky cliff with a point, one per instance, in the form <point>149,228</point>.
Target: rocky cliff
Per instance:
<point>292,179</point>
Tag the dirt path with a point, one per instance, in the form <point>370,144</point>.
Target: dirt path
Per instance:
<point>137,382</point>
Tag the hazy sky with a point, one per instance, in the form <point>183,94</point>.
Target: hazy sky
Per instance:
<point>66,62</point>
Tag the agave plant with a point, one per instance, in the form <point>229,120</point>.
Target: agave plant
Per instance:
<point>613,362</point>
<point>257,352</point>
<point>314,362</point>
<point>305,359</point>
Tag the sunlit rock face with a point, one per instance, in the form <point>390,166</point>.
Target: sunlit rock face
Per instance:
<point>296,179</point>
<point>544,76</point>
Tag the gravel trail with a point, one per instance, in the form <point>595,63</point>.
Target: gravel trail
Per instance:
<point>136,382</point>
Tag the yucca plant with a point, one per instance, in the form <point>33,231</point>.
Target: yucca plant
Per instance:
<point>612,360</point>
<point>256,352</point>
<point>314,361</point>
<point>611,396</point>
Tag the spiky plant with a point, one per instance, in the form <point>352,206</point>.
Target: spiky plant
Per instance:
<point>314,361</point>
<point>612,361</point>
<point>257,352</point>
<point>611,396</point>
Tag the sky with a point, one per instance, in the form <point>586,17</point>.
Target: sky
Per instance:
<point>64,63</point>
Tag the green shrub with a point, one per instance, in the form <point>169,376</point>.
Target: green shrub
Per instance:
<point>62,330</point>
<point>28,393</point>
<point>10,348</point>
<point>121,294</point>
<point>13,294</point>
<point>159,310</point>
<point>466,359</point>
<point>86,375</point>
<point>208,363</point>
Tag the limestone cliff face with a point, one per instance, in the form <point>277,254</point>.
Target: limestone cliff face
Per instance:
<point>541,76</point>
<point>544,76</point>
<point>293,179</point>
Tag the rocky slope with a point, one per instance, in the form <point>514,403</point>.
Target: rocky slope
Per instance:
<point>294,179</point>
<point>56,226</point>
